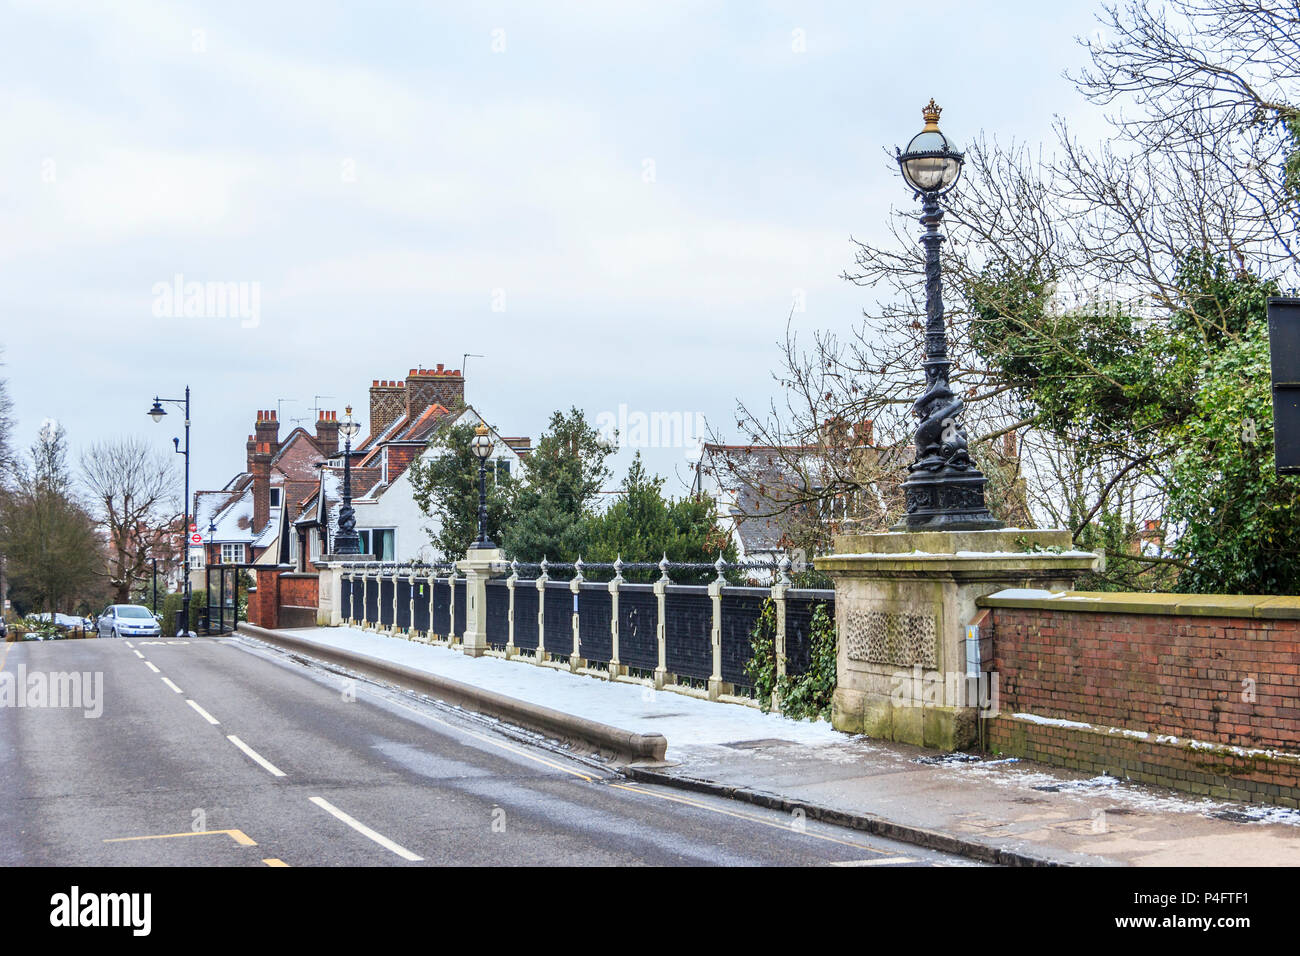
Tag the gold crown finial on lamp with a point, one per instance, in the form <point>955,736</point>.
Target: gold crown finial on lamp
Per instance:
<point>931,112</point>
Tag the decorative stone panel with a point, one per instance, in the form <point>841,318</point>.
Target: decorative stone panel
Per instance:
<point>890,637</point>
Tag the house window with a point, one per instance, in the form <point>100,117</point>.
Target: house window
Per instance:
<point>502,469</point>
<point>196,559</point>
<point>232,554</point>
<point>275,497</point>
<point>378,541</point>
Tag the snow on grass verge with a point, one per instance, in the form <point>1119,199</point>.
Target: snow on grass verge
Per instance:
<point>685,721</point>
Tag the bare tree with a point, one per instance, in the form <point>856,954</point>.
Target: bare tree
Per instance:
<point>6,433</point>
<point>134,489</point>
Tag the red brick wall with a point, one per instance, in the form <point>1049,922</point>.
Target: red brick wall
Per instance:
<point>1167,674</point>
<point>299,590</point>
<point>264,603</point>
<point>280,588</point>
<point>1177,676</point>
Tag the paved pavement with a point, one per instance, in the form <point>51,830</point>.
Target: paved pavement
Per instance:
<point>1014,807</point>
<point>221,752</point>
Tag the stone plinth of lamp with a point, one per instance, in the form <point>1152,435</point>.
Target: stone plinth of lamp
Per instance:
<point>903,603</point>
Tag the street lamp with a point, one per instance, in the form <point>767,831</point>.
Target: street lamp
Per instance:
<point>346,541</point>
<point>481,446</point>
<point>944,490</point>
<point>157,413</point>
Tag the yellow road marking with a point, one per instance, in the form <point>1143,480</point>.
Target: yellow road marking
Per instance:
<point>745,816</point>
<point>272,861</point>
<point>239,836</point>
<point>496,743</point>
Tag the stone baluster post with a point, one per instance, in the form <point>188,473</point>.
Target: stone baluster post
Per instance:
<point>661,626</point>
<point>615,668</point>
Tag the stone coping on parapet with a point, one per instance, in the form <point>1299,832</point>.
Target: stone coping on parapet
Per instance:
<point>967,543</point>
<point>1122,602</point>
<point>1007,565</point>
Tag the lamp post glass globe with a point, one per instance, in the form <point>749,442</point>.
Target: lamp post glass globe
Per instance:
<point>157,412</point>
<point>481,446</point>
<point>349,428</point>
<point>930,163</point>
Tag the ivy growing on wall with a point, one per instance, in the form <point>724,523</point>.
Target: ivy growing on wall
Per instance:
<point>802,696</point>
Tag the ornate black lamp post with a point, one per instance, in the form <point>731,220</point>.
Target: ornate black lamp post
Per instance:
<point>157,413</point>
<point>944,490</point>
<point>347,540</point>
<point>481,446</point>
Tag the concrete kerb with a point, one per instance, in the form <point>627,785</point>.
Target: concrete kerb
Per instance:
<point>622,746</point>
<point>867,823</point>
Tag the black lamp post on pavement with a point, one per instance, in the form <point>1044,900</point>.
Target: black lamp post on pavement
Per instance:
<point>944,490</point>
<point>346,541</point>
<point>157,413</point>
<point>481,446</point>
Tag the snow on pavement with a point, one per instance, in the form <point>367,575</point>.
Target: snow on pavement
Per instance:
<point>687,722</point>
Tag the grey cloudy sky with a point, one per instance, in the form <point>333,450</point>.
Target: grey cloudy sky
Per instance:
<point>407,182</point>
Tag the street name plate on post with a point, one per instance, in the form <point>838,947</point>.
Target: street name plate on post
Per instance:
<point>1284,348</point>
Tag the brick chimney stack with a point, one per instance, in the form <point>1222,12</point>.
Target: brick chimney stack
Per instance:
<point>427,386</point>
<point>387,405</point>
<point>864,432</point>
<point>327,433</point>
<point>265,445</point>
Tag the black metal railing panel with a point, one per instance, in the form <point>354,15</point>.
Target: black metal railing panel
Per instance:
<point>460,605</point>
<point>638,620</point>
<point>385,617</point>
<point>800,604</point>
<point>595,611</point>
<point>688,629</point>
<point>559,619</point>
<point>420,619</point>
<point>403,588</point>
<point>441,625</point>
<point>497,613</point>
<point>526,615</point>
<point>741,608</point>
<point>371,602</point>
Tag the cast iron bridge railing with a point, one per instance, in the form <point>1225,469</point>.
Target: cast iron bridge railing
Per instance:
<point>680,626</point>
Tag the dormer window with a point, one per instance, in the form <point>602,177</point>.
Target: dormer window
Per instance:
<point>275,497</point>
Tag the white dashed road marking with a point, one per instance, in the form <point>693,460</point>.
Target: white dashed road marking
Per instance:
<point>365,831</point>
<point>203,713</point>
<point>265,764</point>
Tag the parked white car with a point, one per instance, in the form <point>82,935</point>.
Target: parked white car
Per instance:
<point>128,620</point>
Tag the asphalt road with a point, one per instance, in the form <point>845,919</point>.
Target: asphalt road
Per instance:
<point>217,752</point>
